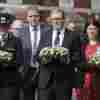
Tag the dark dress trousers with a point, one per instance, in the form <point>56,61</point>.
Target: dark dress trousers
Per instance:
<point>9,79</point>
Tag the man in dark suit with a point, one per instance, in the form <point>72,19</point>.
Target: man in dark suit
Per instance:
<point>32,35</point>
<point>57,84</point>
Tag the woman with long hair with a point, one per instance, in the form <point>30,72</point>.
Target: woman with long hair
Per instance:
<point>91,47</point>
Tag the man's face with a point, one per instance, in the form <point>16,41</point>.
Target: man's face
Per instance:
<point>57,23</point>
<point>32,18</point>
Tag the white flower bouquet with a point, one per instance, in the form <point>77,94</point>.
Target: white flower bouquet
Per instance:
<point>95,60</point>
<point>6,56</point>
<point>92,65</point>
<point>59,55</point>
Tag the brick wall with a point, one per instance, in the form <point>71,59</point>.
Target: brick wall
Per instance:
<point>82,3</point>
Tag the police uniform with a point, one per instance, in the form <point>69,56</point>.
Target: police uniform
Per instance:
<point>8,68</point>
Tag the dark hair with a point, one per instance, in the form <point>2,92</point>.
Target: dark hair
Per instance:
<point>95,23</point>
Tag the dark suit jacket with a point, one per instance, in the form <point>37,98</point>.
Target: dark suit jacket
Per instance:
<point>26,47</point>
<point>24,53</point>
<point>72,42</point>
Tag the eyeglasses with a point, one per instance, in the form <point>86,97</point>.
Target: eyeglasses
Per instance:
<point>33,16</point>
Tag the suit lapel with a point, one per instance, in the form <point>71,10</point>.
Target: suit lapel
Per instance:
<point>67,40</point>
<point>64,39</point>
<point>51,37</point>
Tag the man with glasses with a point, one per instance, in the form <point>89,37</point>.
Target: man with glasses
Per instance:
<point>57,84</point>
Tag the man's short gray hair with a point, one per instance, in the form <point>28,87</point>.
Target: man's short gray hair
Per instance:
<point>57,10</point>
<point>34,9</point>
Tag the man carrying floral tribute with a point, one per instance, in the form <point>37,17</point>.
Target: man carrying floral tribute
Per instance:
<point>56,82</point>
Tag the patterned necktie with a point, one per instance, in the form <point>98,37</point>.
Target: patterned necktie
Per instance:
<point>57,39</point>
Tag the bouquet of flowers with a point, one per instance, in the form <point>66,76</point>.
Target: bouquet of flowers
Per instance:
<point>93,63</point>
<point>6,56</point>
<point>49,55</point>
<point>95,60</point>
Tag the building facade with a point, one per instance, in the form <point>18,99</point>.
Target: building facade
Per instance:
<point>93,4</point>
<point>69,3</point>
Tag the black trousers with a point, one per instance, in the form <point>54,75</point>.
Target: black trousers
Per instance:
<point>57,91</point>
<point>9,93</point>
<point>9,83</point>
<point>29,84</point>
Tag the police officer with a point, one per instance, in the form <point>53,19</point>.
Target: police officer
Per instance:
<point>8,67</point>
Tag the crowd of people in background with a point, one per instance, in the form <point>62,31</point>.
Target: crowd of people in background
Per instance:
<point>27,79</point>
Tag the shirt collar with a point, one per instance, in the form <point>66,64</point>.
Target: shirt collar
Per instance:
<point>61,31</point>
<point>31,27</point>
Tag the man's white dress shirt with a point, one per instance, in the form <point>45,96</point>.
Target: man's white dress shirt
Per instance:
<point>32,37</point>
<point>37,40</point>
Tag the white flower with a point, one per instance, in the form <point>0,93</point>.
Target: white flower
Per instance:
<point>95,60</point>
<point>43,51</point>
<point>50,54</point>
<point>0,37</point>
<point>4,55</point>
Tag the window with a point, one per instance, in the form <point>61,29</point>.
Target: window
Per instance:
<point>95,4</point>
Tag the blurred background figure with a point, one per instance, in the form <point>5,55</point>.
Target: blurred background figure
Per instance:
<point>71,27</point>
<point>6,18</point>
<point>16,27</point>
<point>97,18</point>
